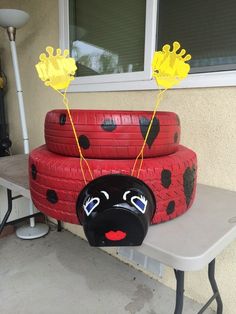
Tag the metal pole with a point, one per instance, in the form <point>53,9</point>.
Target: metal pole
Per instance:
<point>211,276</point>
<point>179,275</point>
<point>11,34</point>
<point>20,97</point>
<point>33,231</point>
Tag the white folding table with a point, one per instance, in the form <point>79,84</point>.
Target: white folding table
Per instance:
<point>14,177</point>
<point>193,240</point>
<point>187,243</point>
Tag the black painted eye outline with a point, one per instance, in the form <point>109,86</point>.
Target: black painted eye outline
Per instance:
<point>139,202</point>
<point>91,204</point>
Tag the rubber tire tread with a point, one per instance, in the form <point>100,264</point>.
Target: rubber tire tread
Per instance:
<point>49,171</point>
<point>122,142</point>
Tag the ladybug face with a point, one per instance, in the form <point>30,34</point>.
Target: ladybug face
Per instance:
<point>115,210</point>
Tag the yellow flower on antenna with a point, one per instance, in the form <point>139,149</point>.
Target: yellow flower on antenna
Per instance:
<point>169,67</point>
<point>56,71</point>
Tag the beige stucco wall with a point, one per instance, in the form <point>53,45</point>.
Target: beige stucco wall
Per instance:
<point>208,125</point>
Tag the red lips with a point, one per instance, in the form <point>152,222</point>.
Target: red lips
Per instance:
<point>115,235</point>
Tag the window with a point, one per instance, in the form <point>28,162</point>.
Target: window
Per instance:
<point>208,33</point>
<point>107,37</point>
<point>113,41</point>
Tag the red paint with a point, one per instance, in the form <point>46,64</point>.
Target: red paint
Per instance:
<point>115,235</point>
<point>121,143</point>
<point>56,171</point>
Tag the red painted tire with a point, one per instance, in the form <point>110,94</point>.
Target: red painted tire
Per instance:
<point>56,181</point>
<point>107,134</point>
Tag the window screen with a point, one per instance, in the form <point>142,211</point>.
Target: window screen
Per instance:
<point>206,28</point>
<point>107,36</point>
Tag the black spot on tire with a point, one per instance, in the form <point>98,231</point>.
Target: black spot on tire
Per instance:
<point>170,208</point>
<point>52,196</point>
<point>108,125</point>
<point>33,171</point>
<point>176,137</point>
<point>154,131</point>
<point>166,178</point>
<point>84,141</point>
<point>62,119</point>
<point>189,178</point>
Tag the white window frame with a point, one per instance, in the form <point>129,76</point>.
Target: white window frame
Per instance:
<point>141,80</point>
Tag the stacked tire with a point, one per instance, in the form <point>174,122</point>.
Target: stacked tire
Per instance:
<point>110,141</point>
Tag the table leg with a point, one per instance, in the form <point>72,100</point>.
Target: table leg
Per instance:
<point>59,226</point>
<point>216,296</point>
<point>179,275</point>
<point>211,276</point>
<point>9,200</point>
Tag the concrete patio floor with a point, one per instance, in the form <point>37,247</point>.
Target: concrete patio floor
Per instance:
<point>62,274</point>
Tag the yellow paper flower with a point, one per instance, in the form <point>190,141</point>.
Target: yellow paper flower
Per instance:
<point>169,67</point>
<point>56,71</point>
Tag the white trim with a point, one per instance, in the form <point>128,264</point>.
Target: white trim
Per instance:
<point>109,78</point>
<point>211,79</point>
<point>63,6</point>
<point>150,36</point>
<point>216,79</point>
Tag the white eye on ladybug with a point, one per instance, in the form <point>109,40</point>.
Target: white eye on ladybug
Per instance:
<point>91,204</point>
<point>140,203</point>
